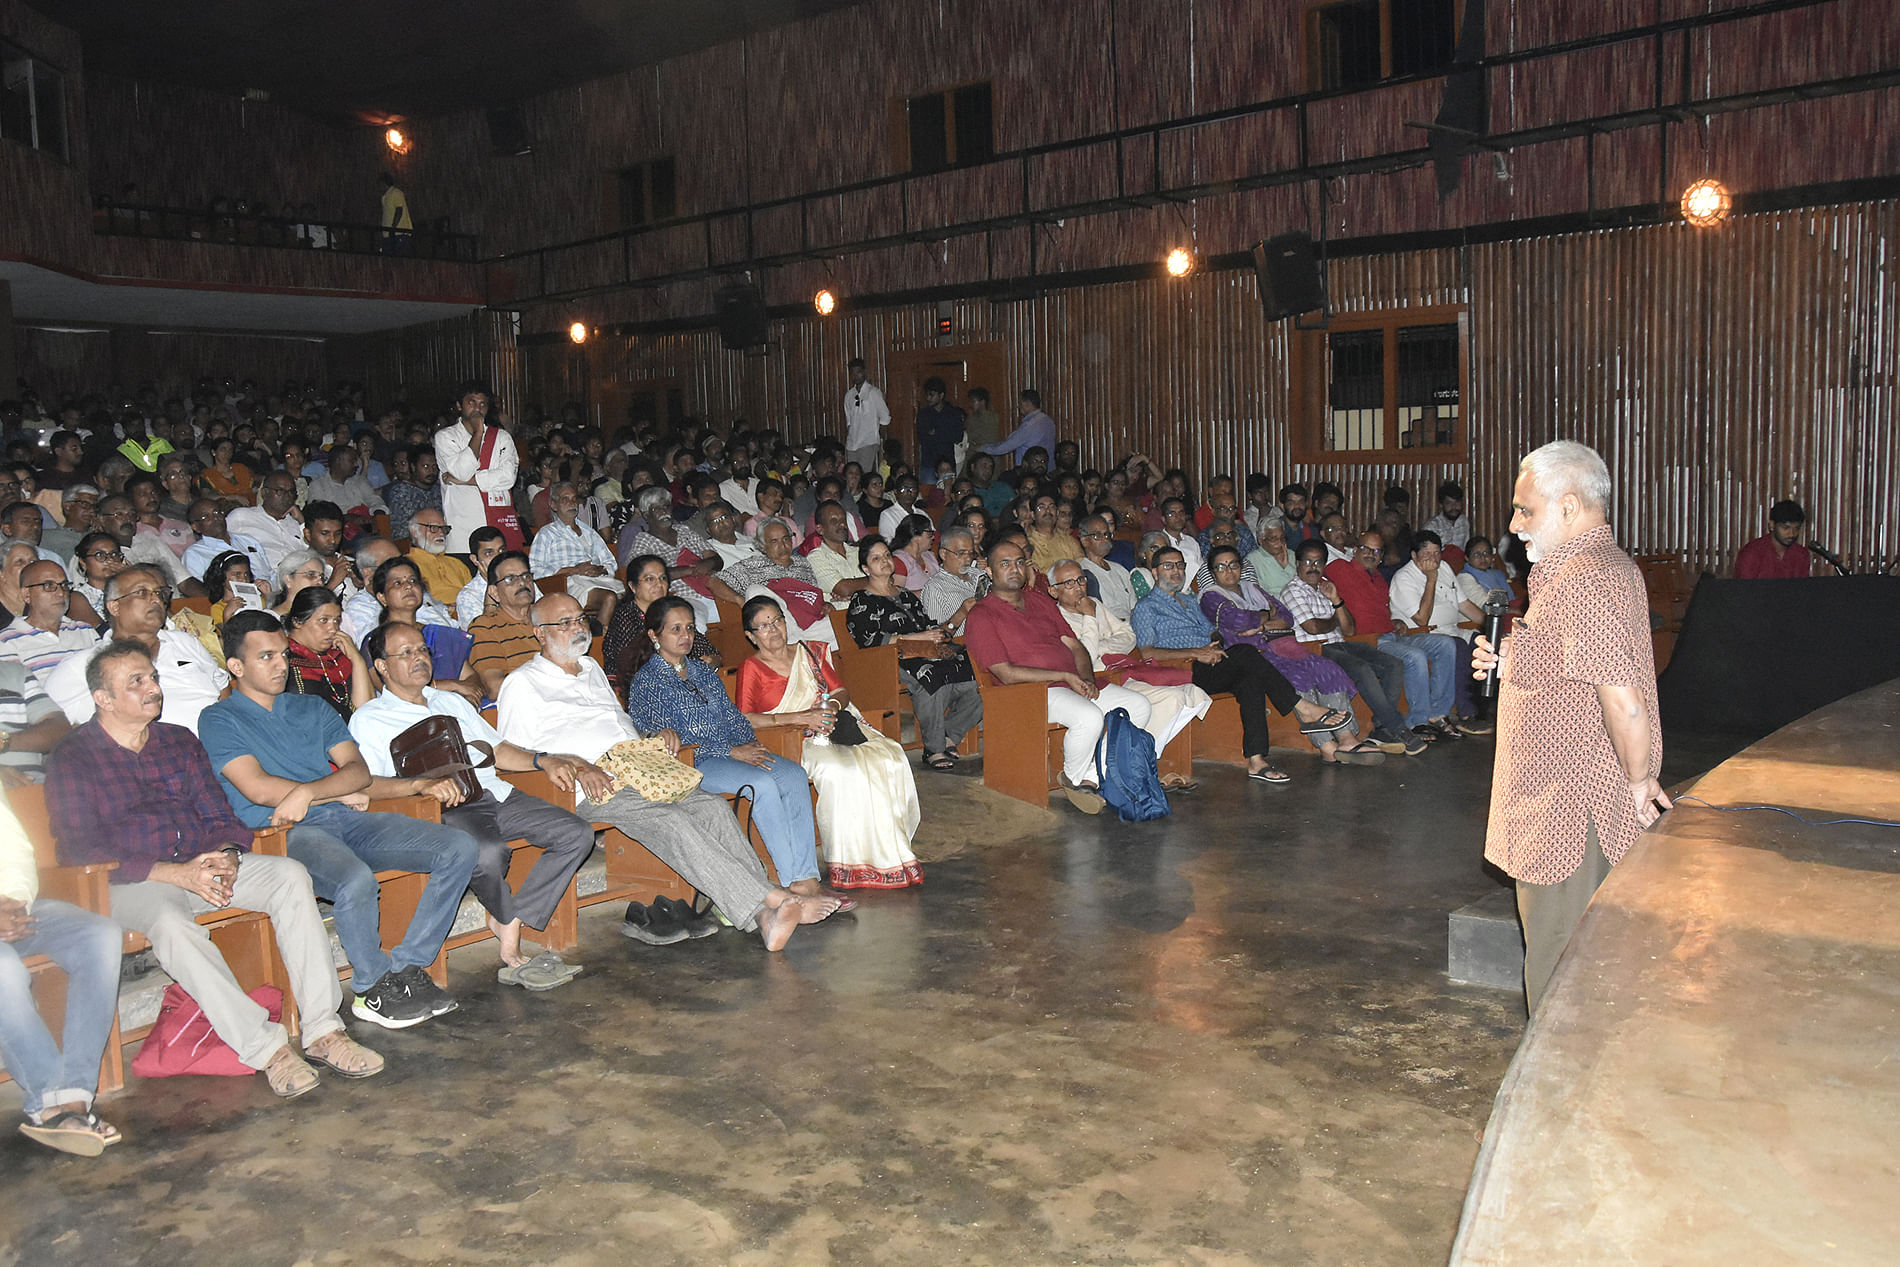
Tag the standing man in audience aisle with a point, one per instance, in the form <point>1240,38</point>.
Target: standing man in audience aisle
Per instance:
<point>1579,738</point>
<point>128,789</point>
<point>283,761</point>
<point>865,416</point>
<point>478,464</point>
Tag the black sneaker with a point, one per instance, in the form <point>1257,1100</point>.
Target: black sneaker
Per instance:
<point>653,925</point>
<point>387,1003</point>
<point>427,992</point>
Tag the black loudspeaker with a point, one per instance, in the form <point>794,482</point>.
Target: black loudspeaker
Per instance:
<point>508,132</point>
<point>1287,269</point>
<point>741,311</point>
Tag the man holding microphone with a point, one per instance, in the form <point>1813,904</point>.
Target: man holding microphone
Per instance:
<point>1579,740</point>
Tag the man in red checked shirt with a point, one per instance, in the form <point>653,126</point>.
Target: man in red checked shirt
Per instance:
<point>1579,740</point>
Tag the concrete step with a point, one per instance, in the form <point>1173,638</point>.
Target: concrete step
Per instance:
<point>1484,945</point>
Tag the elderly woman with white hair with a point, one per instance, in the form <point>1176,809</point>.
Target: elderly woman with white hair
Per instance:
<point>298,570</point>
<point>662,536</point>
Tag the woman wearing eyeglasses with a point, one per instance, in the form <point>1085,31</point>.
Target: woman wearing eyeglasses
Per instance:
<point>97,561</point>
<point>397,585</point>
<point>323,660</point>
<point>672,691</point>
<point>627,631</point>
<point>296,572</point>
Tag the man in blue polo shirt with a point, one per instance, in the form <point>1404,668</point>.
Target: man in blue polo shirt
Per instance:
<point>274,755</point>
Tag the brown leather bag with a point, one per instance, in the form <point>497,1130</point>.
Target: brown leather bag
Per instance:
<point>434,748</point>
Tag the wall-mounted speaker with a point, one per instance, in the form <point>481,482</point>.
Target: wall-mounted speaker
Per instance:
<point>1288,270</point>
<point>740,309</point>
<point>508,132</point>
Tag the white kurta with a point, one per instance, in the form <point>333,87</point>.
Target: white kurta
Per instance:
<point>466,506</point>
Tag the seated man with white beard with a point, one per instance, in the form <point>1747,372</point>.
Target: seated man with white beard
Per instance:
<point>442,572</point>
<point>1103,634</point>
<point>560,700</point>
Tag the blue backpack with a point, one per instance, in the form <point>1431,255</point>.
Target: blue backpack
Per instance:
<point>1125,754</point>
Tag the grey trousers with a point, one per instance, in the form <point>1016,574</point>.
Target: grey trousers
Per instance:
<point>565,840</point>
<point>943,716</point>
<point>1549,913</point>
<point>698,837</point>
<point>279,887</point>
<point>866,458</point>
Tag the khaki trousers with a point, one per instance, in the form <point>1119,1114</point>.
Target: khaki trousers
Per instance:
<point>1549,913</point>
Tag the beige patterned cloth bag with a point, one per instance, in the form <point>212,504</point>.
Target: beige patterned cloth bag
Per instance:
<point>649,769</point>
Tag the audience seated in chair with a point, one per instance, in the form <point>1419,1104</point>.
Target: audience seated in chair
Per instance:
<point>933,669</point>
<point>398,588</point>
<point>137,602</point>
<point>443,574</point>
<point>1430,659</point>
<point>1322,619</point>
<point>288,760</point>
<point>503,636</point>
<point>131,790</point>
<point>568,550</point>
<point>1425,595</point>
<point>560,699</point>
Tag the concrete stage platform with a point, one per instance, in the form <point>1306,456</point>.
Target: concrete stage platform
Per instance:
<point>1715,1077</point>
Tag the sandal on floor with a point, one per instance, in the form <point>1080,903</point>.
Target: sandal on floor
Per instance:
<point>1179,785</point>
<point>1327,723</point>
<point>1269,774</point>
<point>81,1134</point>
<point>940,761</point>
<point>1365,752</point>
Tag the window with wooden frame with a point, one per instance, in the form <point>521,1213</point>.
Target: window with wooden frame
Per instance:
<point>32,102</point>
<point>1380,387</point>
<point>1354,43</point>
<point>642,194</point>
<point>938,130</point>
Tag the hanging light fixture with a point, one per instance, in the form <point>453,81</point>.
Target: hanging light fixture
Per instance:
<point>825,302</point>
<point>397,140</point>
<point>1706,203</point>
<point>578,332</point>
<point>1180,262</point>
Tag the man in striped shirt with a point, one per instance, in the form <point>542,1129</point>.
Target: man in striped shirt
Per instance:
<point>41,637</point>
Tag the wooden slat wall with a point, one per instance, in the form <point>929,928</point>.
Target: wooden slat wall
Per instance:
<point>423,364</point>
<point>1717,372</point>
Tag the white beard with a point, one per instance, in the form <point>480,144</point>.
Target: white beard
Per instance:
<point>438,546</point>
<point>1533,548</point>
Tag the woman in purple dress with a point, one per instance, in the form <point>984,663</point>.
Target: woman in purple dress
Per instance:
<point>1243,612</point>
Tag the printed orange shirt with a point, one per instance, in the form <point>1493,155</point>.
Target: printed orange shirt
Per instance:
<point>1587,625</point>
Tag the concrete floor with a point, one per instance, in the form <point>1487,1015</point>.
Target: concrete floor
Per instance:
<point>1225,1037</point>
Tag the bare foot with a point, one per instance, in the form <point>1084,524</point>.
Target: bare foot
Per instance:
<point>1307,710</point>
<point>804,888</point>
<point>780,918</point>
<point>508,937</point>
<point>813,909</point>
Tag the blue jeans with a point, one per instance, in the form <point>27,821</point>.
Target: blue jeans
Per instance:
<point>781,806</point>
<point>1431,670</point>
<point>343,849</point>
<point>87,947</point>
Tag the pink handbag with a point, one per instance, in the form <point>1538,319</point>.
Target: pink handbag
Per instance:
<point>183,1041</point>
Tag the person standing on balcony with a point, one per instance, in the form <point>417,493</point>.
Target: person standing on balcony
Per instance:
<point>399,227</point>
<point>478,463</point>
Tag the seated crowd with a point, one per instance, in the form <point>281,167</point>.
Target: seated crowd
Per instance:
<point>231,616</point>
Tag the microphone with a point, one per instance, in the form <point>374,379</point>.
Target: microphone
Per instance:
<point>1829,555</point>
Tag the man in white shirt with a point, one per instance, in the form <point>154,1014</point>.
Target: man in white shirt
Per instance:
<point>472,484</point>
<point>136,604</point>
<point>903,506</point>
<point>214,538</point>
<point>561,699</point>
<point>865,417</point>
<point>118,517</point>
<point>1178,526</point>
<point>1114,586</point>
<point>483,545</point>
<point>273,523</point>
<point>1425,595</point>
<point>1450,523</point>
<point>834,560</point>
<point>499,815</point>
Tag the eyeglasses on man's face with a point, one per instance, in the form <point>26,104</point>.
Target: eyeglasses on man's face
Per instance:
<point>64,587</point>
<point>571,622</point>
<point>145,592</point>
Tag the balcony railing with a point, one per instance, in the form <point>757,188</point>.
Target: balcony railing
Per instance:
<point>232,228</point>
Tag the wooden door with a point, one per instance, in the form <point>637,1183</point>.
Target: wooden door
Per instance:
<point>657,401</point>
<point>961,367</point>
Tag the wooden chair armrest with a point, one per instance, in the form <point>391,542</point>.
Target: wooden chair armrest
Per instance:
<point>426,808</point>
<point>870,674</point>
<point>272,842</point>
<point>83,886</point>
<point>540,784</point>
<point>782,741</point>
<point>1020,704</point>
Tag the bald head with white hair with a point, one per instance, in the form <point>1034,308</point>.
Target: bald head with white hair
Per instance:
<point>1562,492</point>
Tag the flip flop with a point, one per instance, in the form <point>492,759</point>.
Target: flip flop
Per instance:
<point>846,904</point>
<point>533,975</point>
<point>1326,723</point>
<point>554,963</point>
<point>1185,785</point>
<point>1269,774</point>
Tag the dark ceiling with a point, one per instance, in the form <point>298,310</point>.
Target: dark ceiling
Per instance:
<point>357,60</point>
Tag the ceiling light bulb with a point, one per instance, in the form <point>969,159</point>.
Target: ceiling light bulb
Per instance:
<point>1706,203</point>
<point>578,332</point>
<point>825,302</point>
<point>1180,262</point>
<point>396,141</point>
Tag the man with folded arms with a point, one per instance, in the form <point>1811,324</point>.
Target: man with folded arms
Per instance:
<point>127,788</point>
<point>500,814</point>
<point>282,762</point>
<point>57,1079</point>
<point>561,699</point>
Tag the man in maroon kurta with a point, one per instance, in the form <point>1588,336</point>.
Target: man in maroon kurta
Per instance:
<point>1779,555</point>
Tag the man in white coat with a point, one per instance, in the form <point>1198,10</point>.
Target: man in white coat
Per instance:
<point>477,486</point>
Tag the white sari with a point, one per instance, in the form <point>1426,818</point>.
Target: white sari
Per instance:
<point>867,797</point>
